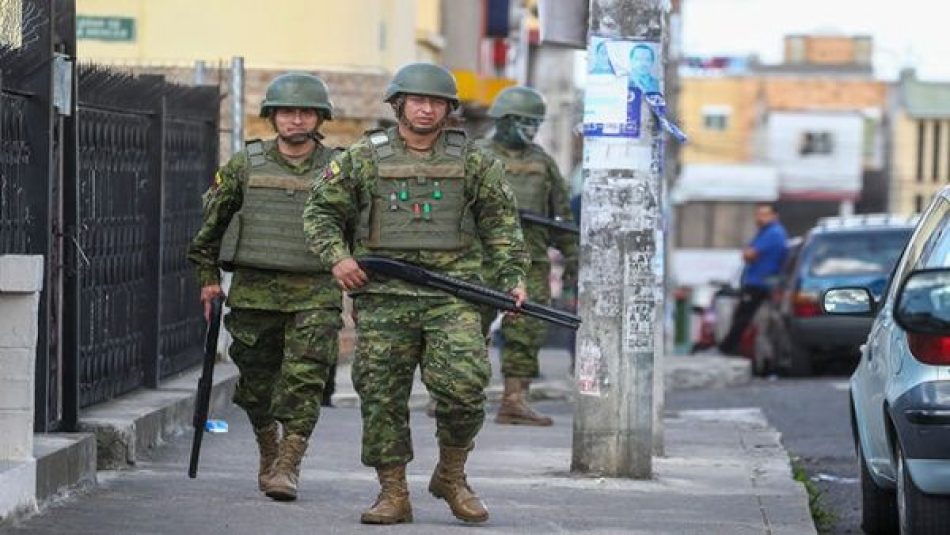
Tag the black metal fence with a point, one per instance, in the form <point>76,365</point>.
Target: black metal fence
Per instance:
<point>102,173</point>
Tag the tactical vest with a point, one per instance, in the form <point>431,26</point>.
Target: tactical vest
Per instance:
<point>414,204</point>
<point>267,232</point>
<point>527,178</point>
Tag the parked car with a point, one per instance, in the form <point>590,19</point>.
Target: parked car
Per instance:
<point>900,390</point>
<point>860,251</point>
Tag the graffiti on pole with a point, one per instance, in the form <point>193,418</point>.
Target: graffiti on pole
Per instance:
<point>592,378</point>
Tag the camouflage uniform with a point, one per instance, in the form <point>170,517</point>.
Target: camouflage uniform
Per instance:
<point>401,326</point>
<point>524,336</point>
<point>284,324</point>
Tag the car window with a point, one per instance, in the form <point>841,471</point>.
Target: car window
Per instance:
<point>936,249</point>
<point>923,236</point>
<point>856,253</point>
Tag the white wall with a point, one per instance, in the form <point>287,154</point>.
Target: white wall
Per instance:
<point>831,176</point>
<point>21,279</point>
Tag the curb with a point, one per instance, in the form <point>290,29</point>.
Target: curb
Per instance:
<point>783,501</point>
<point>113,435</point>
<point>65,462</point>
<point>144,418</point>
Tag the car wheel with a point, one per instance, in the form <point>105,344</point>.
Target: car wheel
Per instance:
<point>878,506</point>
<point>919,512</point>
<point>800,362</point>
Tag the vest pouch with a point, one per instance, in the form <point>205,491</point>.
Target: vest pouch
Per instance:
<point>528,181</point>
<point>468,231</point>
<point>417,205</point>
<point>271,232</point>
<point>374,225</point>
<point>419,213</point>
<point>229,243</point>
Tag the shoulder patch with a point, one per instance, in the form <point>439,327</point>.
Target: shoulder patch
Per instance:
<point>332,172</point>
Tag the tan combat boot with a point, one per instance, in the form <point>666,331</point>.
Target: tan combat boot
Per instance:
<point>449,483</point>
<point>514,408</point>
<point>283,484</point>
<point>268,441</point>
<point>392,505</point>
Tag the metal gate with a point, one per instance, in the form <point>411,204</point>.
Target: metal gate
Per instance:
<point>102,174</point>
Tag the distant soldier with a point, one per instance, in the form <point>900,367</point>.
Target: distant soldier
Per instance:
<point>422,193</point>
<point>285,309</point>
<point>539,187</point>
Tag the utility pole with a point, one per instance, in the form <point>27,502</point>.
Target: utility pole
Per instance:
<point>621,264</point>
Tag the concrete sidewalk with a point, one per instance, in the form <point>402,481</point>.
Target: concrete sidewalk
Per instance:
<point>556,381</point>
<point>723,472</point>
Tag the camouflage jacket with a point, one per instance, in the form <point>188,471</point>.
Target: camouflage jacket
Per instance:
<point>538,238</point>
<point>257,288</point>
<point>333,209</point>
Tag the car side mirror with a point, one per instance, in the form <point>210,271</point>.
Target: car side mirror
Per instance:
<point>922,305</point>
<point>847,302</point>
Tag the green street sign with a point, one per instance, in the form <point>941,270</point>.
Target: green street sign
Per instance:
<point>105,28</point>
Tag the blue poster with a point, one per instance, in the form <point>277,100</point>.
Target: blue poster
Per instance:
<point>619,70</point>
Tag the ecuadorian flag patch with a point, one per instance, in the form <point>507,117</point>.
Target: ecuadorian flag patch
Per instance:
<point>332,171</point>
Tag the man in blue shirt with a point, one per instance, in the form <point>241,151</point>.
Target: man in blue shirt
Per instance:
<point>763,259</point>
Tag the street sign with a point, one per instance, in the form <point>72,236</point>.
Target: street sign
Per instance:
<point>105,28</point>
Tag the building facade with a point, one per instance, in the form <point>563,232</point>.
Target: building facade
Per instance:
<point>920,142</point>
<point>818,118</point>
<point>354,46</point>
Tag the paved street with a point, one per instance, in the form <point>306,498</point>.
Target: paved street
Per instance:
<point>812,416</point>
<point>724,472</point>
<point>704,485</point>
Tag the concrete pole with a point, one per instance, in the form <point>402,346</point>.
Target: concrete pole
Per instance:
<point>621,265</point>
<point>237,104</point>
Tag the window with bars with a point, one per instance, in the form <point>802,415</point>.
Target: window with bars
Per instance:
<point>815,143</point>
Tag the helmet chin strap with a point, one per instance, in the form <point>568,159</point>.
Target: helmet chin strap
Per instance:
<point>297,139</point>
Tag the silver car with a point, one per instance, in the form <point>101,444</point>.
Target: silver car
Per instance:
<point>900,390</point>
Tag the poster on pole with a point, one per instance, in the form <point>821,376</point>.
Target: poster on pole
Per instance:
<point>620,73</point>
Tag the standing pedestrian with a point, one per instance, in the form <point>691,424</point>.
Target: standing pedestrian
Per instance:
<point>763,259</point>
<point>285,309</point>
<point>423,193</point>
<point>538,187</point>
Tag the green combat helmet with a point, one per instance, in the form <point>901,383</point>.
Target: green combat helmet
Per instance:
<point>423,79</point>
<point>297,90</point>
<point>519,100</point>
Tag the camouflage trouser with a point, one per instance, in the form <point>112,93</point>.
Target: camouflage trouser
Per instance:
<point>524,336</point>
<point>284,359</point>
<point>440,335</point>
